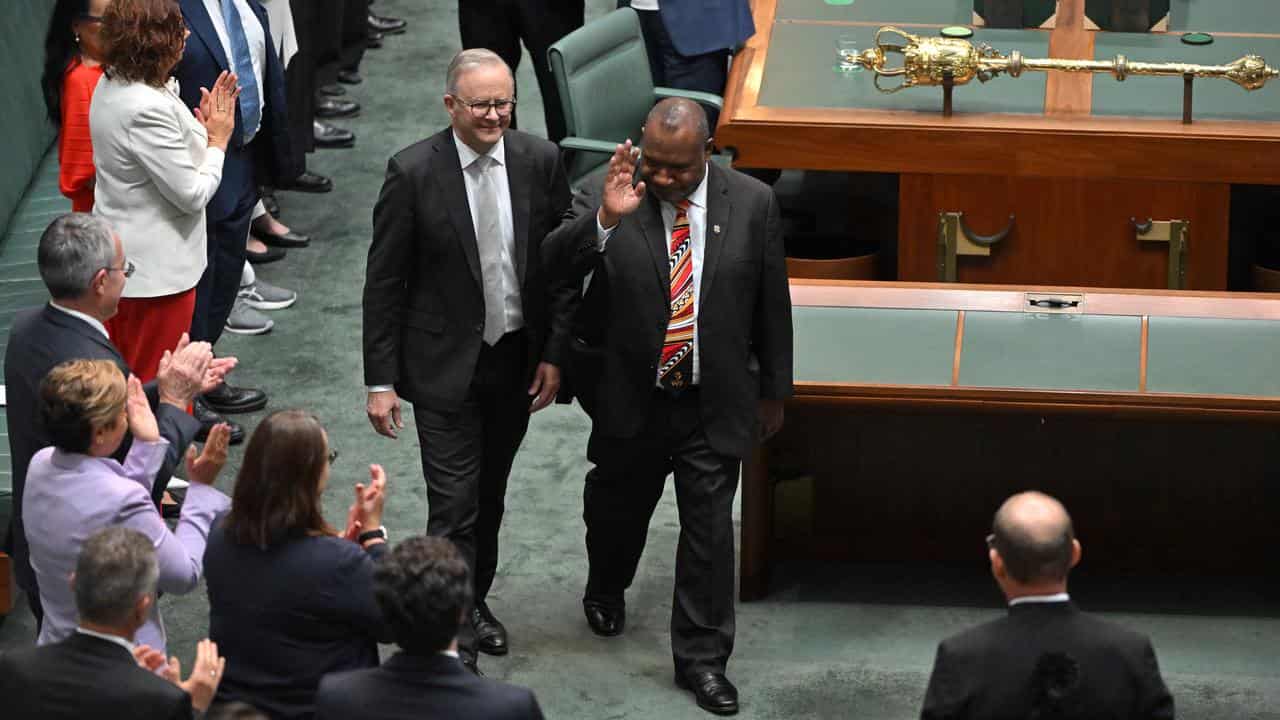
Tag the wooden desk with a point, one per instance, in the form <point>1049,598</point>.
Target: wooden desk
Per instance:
<point>1073,157</point>
<point>1154,415</point>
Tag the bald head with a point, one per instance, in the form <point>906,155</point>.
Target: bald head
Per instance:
<point>674,116</point>
<point>1033,535</point>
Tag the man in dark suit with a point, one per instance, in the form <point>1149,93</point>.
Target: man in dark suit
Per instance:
<point>96,672</point>
<point>694,368</point>
<point>234,36</point>
<point>689,41</point>
<point>423,588</point>
<point>457,315</point>
<point>1046,658</point>
<point>501,25</point>
<point>82,264</point>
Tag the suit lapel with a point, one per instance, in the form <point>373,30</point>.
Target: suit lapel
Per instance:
<point>519,180</point>
<point>83,329</point>
<point>656,233</point>
<point>719,208</point>
<point>202,27</point>
<point>454,190</point>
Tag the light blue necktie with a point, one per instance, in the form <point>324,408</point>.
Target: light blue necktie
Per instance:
<point>250,100</point>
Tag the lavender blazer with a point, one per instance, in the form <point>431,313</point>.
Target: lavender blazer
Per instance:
<point>70,496</point>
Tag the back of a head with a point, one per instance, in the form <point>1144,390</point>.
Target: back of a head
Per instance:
<point>143,39</point>
<point>423,587</point>
<point>277,492</point>
<point>72,250</point>
<point>77,398</point>
<point>116,567</point>
<point>1033,534</point>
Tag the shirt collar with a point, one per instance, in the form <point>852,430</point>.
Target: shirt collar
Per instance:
<point>451,653</point>
<point>122,642</point>
<point>93,321</point>
<point>698,197</point>
<point>1056,597</point>
<point>467,156</point>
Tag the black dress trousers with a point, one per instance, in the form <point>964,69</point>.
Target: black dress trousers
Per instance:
<point>300,76</point>
<point>618,501</point>
<point>501,25</point>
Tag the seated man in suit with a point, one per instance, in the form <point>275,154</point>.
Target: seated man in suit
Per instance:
<point>1045,659</point>
<point>82,263</point>
<point>423,588</point>
<point>97,671</point>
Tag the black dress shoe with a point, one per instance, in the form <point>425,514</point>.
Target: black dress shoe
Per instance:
<point>311,183</point>
<point>349,77</point>
<point>604,621</point>
<point>336,108</point>
<point>373,40</point>
<point>491,635</point>
<point>712,690</point>
<point>290,239</point>
<point>386,25</point>
<point>329,136</point>
<point>271,255</point>
<point>208,417</point>
<point>228,399</point>
<point>332,90</point>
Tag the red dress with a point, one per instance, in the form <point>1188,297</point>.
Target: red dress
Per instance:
<point>75,147</point>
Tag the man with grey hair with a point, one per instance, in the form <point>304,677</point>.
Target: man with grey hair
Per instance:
<point>99,667</point>
<point>82,263</point>
<point>1045,658</point>
<point>458,316</point>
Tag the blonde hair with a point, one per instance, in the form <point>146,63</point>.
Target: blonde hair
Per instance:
<point>79,397</point>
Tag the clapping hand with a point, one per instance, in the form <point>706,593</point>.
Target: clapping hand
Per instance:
<point>217,372</point>
<point>366,512</point>
<point>142,422</point>
<point>620,196</point>
<point>182,371</point>
<point>217,111</point>
<point>204,468</point>
<point>202,685</point>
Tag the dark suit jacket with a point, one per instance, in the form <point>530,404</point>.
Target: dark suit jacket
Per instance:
<point>987,672</point>
<point>285,616</point>
<point>201,63</point>
<point>408,687</point>
<point>85,677</point>
<point>697,27</point>
<point>40,339</point>
<point>423,294</point>
<point>744,309</point>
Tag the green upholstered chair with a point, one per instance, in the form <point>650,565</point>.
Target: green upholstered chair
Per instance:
<point>606,89</point>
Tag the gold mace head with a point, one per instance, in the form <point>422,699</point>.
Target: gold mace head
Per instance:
<point>1251,72</point>
<point>925,61</point>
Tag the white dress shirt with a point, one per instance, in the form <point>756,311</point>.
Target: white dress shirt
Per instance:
<point>91,320</point>
<point>122,642</point>
<point>257,48</point>
<point>1028,599</point>
<point>698,246</point>
<point>513,310</point>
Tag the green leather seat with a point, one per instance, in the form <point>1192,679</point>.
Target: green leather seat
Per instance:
<point>606,89</point>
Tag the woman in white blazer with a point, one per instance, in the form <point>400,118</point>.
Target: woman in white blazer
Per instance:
<point>157,166</point>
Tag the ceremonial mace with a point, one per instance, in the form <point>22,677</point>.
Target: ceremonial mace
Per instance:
<point>950,61</point>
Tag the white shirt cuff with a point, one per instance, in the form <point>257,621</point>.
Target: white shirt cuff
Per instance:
<point>381,388</point>
<point>602,234</point>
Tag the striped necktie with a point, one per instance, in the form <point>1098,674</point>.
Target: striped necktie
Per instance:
<point>242,65</point>
<point>676,370</point>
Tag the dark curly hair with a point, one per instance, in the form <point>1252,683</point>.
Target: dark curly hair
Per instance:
<point>423,587</point>
<point>143,39</point>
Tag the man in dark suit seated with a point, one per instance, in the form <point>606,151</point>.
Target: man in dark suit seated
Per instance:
<point>97,671</point>
<point>423,588</point>
<point>1045,659</point>
<point>82,263</point>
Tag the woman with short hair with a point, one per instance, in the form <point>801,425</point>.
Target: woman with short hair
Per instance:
<point>74,488</point>
<point>291,599</point>
<point>158,166</point>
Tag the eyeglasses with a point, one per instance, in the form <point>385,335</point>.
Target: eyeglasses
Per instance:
<point>333,455</point>
<point>86,17</point>
<point>480,108</point>
<point>127,270</point>
<point>991,541</point>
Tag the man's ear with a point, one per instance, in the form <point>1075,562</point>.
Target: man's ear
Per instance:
<point>1076,552</point>
<point>997,564</point>
<point>142,607</point>
<point>99,282</point>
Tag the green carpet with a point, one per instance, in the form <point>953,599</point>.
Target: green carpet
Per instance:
<point>831,642</point>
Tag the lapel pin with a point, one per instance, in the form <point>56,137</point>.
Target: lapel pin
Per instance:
<point>715,229</point>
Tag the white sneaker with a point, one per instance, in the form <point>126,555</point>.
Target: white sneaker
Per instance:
<point>244,320</point>
<point>262,295</point>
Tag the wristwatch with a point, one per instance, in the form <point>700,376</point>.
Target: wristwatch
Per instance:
<point>378,533</point>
